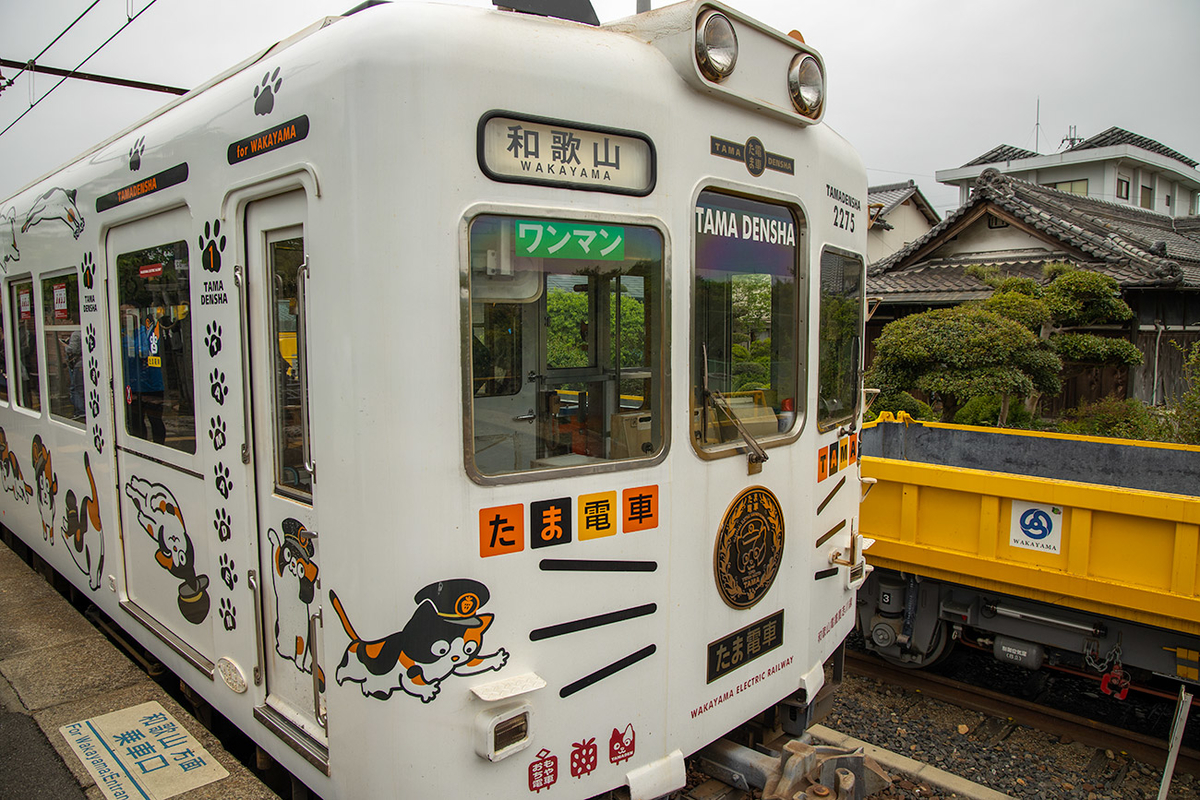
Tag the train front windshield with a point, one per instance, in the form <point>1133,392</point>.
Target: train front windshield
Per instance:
<point>565,352</point>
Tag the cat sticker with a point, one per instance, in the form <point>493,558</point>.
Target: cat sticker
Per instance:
<point>56,204</point>
<point>8,238</point>
<point>81,531</point>
<point>442,638</point>
<point>294,579</point>
<point>10,472</point>
<point>159,515</point>
<point>47,487</point>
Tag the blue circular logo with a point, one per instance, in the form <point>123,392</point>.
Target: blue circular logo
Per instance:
<point>1036,524</point>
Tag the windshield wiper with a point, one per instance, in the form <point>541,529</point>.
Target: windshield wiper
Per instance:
<point>756,454</point>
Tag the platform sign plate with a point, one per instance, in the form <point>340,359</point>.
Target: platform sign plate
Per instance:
<point>141,753</point>
<point>1036,526</point>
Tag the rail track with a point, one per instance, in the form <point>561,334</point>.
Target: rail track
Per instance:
<point>1144,748</point>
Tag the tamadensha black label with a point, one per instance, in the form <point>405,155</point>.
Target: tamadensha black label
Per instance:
<point>290,132</point>
<point>155,183</point>
<point>743,646</point>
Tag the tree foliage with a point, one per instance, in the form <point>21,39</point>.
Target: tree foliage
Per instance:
<point>958,353</point>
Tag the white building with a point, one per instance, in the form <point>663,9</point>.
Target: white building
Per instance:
<point>899,214</point>
<point>1116,165</point>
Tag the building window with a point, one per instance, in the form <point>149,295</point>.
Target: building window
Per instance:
<point>1147,200</point>
<point>1122,189</point>
<point>1079,187</point>
<point>1167,200</point>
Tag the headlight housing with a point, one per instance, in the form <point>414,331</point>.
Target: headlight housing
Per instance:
<point>716,46</point>
<point>806,85</point>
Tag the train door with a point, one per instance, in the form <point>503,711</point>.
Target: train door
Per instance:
<point>166,553</point>
<point>284,472</point>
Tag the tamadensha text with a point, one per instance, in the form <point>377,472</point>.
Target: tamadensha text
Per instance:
<point>741,687</point>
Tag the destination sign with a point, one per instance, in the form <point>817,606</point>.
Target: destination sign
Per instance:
<point>520,150</point>
<point>290,132</point>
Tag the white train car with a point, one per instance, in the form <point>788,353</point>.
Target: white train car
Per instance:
<point>463,402</point>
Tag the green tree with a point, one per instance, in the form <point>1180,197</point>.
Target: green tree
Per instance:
<point>1187,407</point>
<point>566,335</point>
<point>958,353</point>
<point>1072,299</point>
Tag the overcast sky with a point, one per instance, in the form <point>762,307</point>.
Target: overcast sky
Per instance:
<point>915,85</point>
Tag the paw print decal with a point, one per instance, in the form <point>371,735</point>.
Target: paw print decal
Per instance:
<point>212,244</point>
<point>218,389</point>
<point>222,525</point>
<point>216,432</point>
<point>224,485</point>
<point>98,438</point>
<point>212,339</point>
<point>91,338</point>
<point>94,402</point>
<point>228,614</point>
<point>94,371</point>
<point>264,96</point>
<point>135,154</point>
<point>89,272</point>
<point>228,571</point>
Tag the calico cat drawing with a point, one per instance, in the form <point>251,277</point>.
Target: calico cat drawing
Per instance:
<point>10,471</point>
<point>81,530</point>
<point>442,638</point>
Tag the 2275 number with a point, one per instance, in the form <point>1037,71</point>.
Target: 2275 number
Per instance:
<point>843,219</point>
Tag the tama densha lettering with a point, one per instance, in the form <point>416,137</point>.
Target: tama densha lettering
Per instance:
<point>748,227</point>
<point>137,190</point>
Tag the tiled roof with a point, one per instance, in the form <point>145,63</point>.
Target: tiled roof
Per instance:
<point>891,195</point>
<point>1134,246</point>
<point>1001,152</point>
<point>1116,136</point>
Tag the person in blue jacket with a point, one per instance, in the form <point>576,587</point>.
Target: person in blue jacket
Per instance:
<point>144,389</point>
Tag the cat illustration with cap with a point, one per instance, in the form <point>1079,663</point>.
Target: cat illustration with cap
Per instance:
<point>294,580</point>
<point>442,638</point>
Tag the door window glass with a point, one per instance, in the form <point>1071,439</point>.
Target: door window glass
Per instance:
<point>566,354</point>
<point>286,256</point>
<point>3,359</point>
<point>156,345</point>
<point>25,347</point>
<point>748,333</point>
<point>841,338</point>
<point>64,346</point>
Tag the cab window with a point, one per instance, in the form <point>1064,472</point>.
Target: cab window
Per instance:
<point>747,374</point>
<point>565,341</point>
<point>841,338</point>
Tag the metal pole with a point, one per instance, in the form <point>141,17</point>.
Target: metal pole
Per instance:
<point>1181,717</point>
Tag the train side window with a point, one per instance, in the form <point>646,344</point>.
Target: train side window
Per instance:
<point>154,299</point>
<point>26,374</point>
<point>64,347</point>
<point>3,358</point>
<point>747,369</point>
<point>842,287</point>
<point>565,336</point>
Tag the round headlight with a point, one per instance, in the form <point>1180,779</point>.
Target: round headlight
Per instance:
<point>716,46</point>
<point>806,85</point>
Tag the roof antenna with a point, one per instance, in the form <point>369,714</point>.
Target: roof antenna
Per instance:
<point>1071,139</point>
<point>1037,127</point>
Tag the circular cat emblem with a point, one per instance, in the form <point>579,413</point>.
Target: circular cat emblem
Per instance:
<point>749,547</point>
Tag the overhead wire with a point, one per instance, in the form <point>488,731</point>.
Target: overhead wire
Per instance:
<point>34,104</point>
<point>65,31</point>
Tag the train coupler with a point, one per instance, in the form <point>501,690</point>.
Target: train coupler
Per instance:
<point>1115,683</point>
<point>800,771</point>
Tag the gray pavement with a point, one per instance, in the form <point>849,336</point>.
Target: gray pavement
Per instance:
<point>55,669</point>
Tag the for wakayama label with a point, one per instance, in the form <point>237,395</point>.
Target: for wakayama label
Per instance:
<point>289,132</point>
